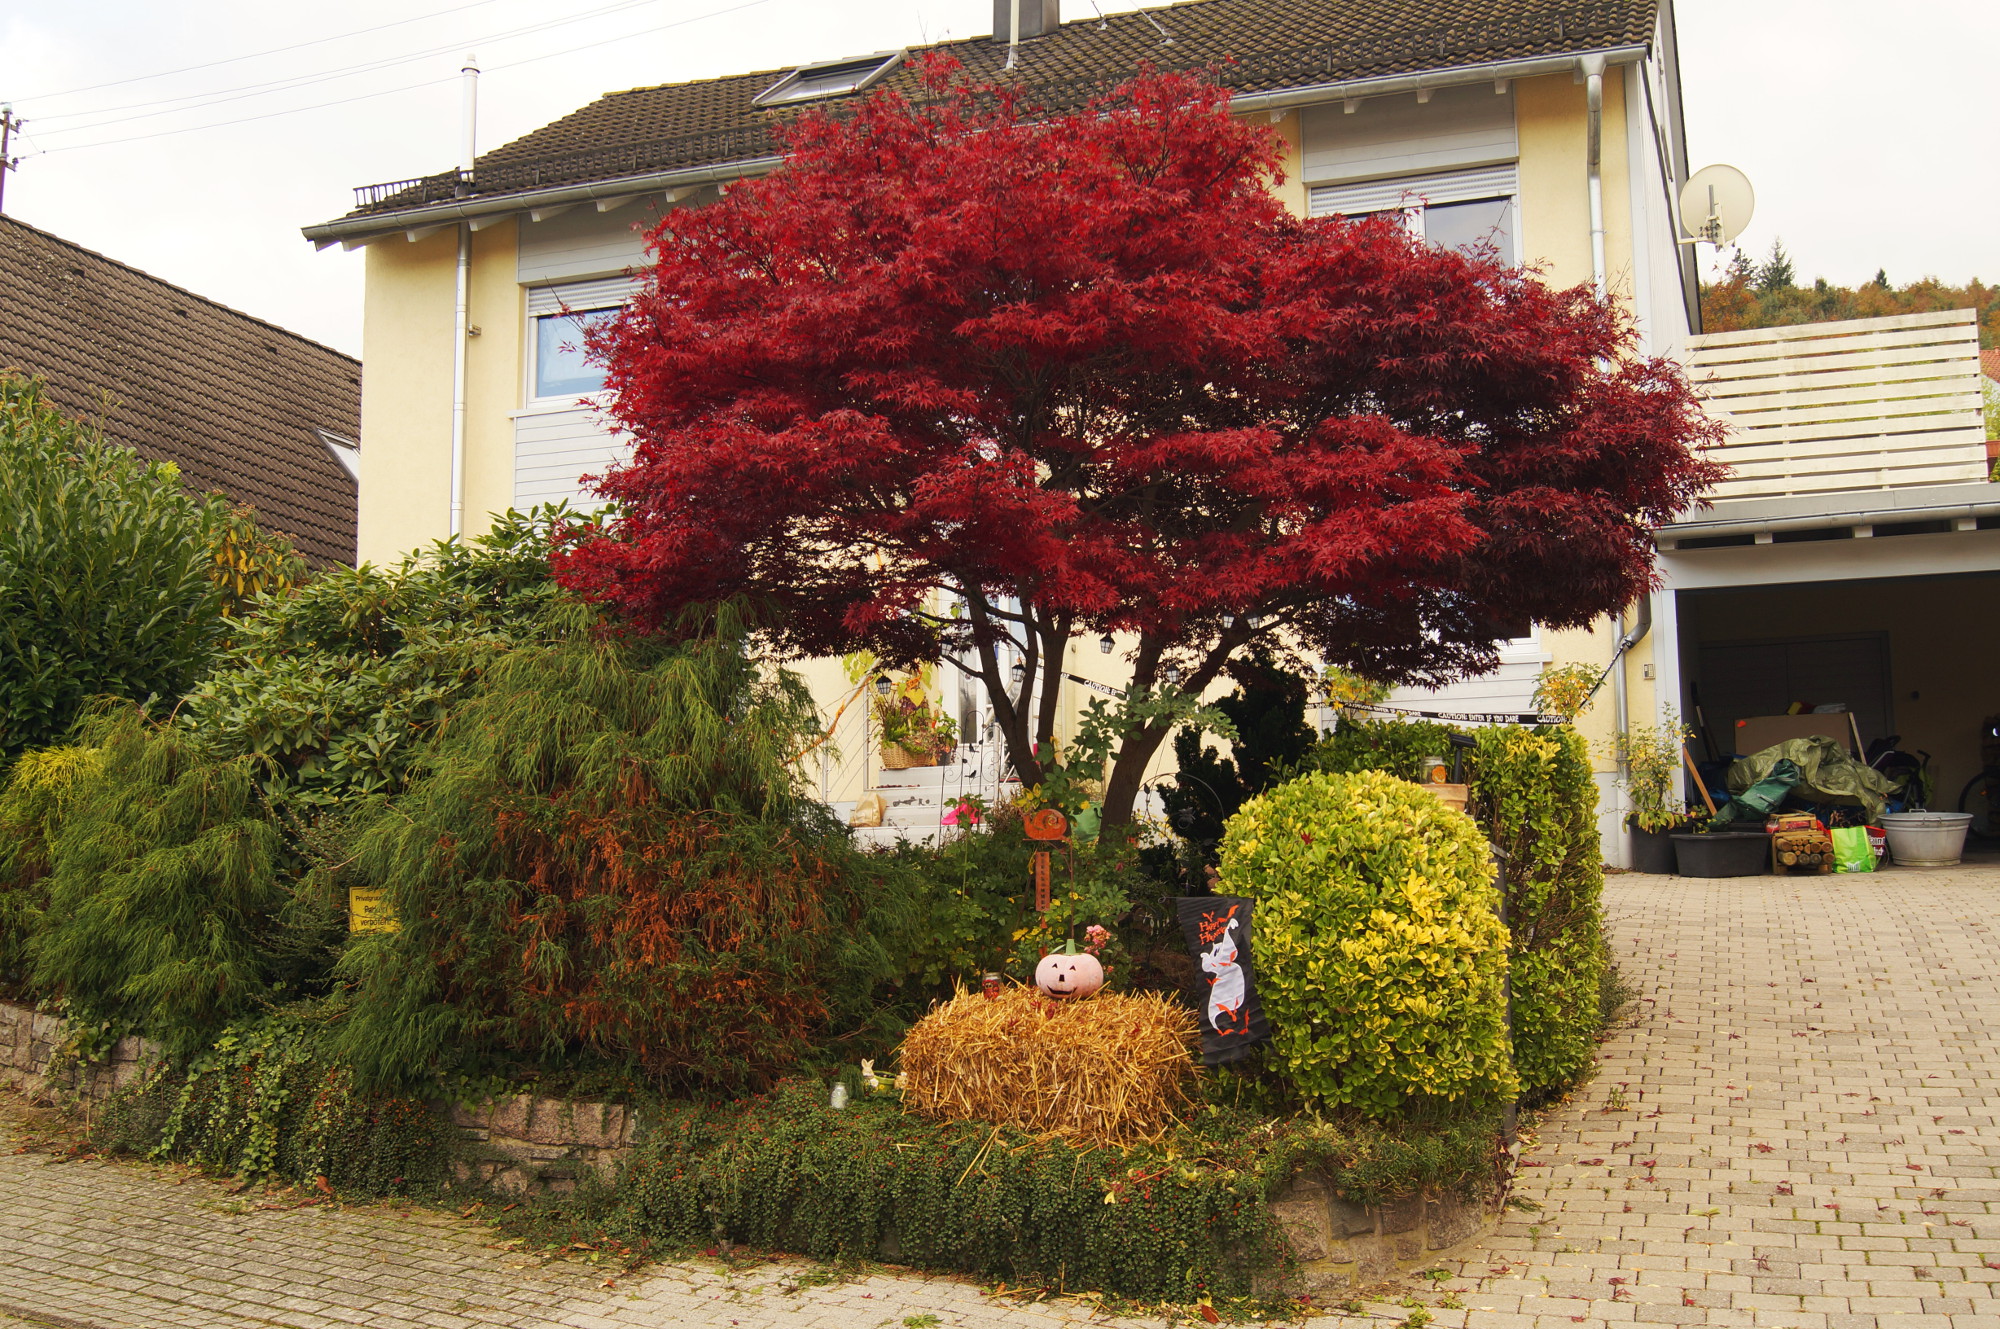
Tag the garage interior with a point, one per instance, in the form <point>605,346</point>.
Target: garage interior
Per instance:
<point>1912,656</point>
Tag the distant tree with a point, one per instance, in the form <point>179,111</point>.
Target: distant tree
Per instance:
<point>1777,273</point>
<point>106,582</point>
<point>1744,298</point>
<point>1084,374</point>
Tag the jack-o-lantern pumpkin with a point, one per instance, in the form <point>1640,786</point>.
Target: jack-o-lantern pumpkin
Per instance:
<point>1069,975</point>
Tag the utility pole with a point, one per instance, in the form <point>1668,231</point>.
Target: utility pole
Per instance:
<point>8,162</point>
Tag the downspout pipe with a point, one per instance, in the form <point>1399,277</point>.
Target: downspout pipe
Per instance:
<point>1593,80</point>
<point>462,306</point>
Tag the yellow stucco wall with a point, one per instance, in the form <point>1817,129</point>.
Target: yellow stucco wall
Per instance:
<point>407,317</point>
<point>1551,116</point>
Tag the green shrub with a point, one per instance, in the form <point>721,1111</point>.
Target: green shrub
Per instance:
<point>334,687</point>
<point>164,884</point>
<point>977,904</point>
<point>1534,796</point>
<point>105,584</point>
<point>1379,956</point>
<point>604,855</point>
<point>1533,793</point>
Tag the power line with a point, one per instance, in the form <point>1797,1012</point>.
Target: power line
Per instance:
<point>200,100</point>
<point>408,87</point>
<point>258,55</point>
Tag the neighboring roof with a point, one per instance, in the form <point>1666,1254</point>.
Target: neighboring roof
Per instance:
<point>230,399</point>
<point>1989,364</point>
<point>1250,46</point>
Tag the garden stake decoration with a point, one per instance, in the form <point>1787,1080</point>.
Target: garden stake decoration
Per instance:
<point>1047,825</point>
<point>1217,928</point>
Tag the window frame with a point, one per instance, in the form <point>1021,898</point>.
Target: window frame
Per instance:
<point>532,395</point>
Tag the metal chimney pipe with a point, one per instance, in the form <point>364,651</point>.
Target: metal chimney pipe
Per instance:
<point>1017,20</point>
<point>462,306</point>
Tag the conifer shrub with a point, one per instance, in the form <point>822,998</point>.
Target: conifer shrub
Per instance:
<point>38,792</point>
<point>1380,957</point>
<point>604,854</point>
<point>163,887</point>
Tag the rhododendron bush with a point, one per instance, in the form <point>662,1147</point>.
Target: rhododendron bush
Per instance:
<point>1082,373</point>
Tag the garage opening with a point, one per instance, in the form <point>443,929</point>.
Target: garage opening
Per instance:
<point>1916,659</point>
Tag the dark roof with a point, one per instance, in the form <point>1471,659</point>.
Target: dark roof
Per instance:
<point>230,399</point>
<point>1249,46</point>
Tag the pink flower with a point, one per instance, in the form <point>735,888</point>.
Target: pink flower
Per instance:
<point>961,814</point>
<point>1094,938</point>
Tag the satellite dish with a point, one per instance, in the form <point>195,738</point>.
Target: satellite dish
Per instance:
<point>1716,204</point>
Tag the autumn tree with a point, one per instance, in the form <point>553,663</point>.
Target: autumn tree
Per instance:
<point>1081,373</point>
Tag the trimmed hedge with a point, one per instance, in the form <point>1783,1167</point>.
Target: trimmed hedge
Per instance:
<point>1380,957</point>
<point>1533,795</point>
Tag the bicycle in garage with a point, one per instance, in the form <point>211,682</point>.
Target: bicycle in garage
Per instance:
<point>1981,795</point>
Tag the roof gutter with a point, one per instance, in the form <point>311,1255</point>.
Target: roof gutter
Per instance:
<point>1454,76</point>
<point>348,230</point>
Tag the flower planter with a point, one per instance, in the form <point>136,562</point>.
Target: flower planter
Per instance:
<point>1653,852</point>
<point>897,758</point>
<point>1724,854</point>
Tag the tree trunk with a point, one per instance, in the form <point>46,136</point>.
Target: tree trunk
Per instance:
<point>1128,772</point>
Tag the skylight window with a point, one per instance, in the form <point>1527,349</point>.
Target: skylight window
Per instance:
<point>832,78</point>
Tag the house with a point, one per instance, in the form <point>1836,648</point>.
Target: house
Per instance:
<point>1555,132</point>
<point>241,406</point>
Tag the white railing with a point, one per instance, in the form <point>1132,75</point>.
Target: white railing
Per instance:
<point>1872,403</point>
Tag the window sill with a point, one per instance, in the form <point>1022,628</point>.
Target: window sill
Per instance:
<point>562,405</point>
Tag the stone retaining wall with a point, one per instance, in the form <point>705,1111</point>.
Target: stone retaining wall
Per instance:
<point>517,1143</point>
<point>1342,1246</point>
<point>32,1060</point>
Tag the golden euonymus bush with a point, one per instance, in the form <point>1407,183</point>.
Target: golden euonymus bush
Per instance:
<point>1379,954</point>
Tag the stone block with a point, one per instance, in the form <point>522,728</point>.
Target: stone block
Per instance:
<point>509,1116</point>
<point>1349,1219</point>
<point>1303,1222</point>
<point>1450,1221</point>
<point>1402,1215</point>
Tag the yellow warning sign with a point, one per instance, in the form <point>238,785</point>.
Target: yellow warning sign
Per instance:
<point>369,911</point>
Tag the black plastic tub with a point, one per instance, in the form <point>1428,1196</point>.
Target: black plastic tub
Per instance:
<point>1724,854</point>
<point>1653,851</point>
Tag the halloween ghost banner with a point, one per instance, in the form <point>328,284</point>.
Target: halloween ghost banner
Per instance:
<point>1218,933</point>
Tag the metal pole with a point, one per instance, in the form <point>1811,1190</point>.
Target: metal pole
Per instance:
<point>8,124</point>
<point>462,309</point>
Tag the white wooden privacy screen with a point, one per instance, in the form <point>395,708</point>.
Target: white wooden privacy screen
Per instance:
<point>1871,403</point>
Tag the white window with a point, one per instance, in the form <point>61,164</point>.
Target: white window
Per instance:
<point>830,78</point>
<point>559,319</point>
<point>1463,210</point>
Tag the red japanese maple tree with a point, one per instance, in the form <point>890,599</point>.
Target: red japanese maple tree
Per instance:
<point>1083,372</point>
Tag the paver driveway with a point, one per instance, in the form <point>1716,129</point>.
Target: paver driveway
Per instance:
<point>1797,1130</point>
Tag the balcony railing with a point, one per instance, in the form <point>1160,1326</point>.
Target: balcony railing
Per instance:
<point>1870,403</point>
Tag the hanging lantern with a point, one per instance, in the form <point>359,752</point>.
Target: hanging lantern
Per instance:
<point>1105,643</point>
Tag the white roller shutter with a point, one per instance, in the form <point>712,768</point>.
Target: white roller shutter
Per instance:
<point>1412,191</point>
<point>604,293</point>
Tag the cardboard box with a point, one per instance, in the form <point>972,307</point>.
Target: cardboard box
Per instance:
<point>1763,731</point>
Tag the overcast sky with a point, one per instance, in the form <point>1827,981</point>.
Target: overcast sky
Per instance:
<point>1868,133</point>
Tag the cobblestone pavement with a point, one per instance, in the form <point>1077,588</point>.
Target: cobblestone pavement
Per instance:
<point>1798,1130</point>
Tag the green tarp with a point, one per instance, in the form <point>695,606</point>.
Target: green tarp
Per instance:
<point>1826,774</point>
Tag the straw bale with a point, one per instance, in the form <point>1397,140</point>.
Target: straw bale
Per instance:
<point>1111,1069</point>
